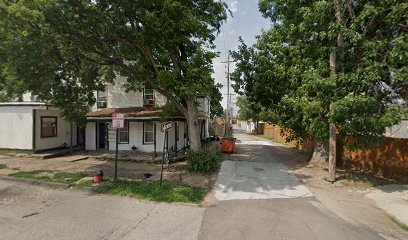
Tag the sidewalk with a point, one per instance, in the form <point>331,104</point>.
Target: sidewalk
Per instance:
<point>393,199</point>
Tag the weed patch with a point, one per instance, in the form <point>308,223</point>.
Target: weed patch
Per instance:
<point>400,224</point>
<point>204,161</point>
<point>49,176</point>
<point>151,190</point>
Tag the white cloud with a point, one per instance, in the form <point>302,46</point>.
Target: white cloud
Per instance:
<point>232,32</point>
<point>233,6</point>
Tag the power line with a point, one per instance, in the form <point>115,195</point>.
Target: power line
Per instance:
<point>228,62</point>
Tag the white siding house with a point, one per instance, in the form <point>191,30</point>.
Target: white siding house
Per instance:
<point>34,126</point>
<point>142,121</point>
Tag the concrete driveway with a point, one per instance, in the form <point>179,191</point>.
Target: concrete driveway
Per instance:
<point>257,180</point>
<point>258,198</point>
<point>32,212</point>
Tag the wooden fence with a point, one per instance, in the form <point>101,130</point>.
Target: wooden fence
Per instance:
<point>389,158</point>
<point>276,133</point>
<point>217,130</point>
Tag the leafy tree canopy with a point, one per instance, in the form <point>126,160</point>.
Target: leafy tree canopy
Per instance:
<point>288,71</point>
<point>63,50</point>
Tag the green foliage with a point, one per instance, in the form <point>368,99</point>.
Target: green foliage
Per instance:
<point>2,165</point>
<point>204,161</point>
<point>216,110</point>
<point>254,111</point>
<point>169,111</point>
<point>63,51</point>
<point>287,71</point>
<point>151,190</point>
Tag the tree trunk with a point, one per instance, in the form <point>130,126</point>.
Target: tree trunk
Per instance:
<point>332,153</point>
<point>193,126</point>
<point>320,155</point>
<point>333,73</point>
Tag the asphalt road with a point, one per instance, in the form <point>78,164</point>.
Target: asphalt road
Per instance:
<point>258,198</point>
<point>33,212</point>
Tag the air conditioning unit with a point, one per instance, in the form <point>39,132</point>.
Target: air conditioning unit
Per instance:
<point>149,102</point>
<point>101,104</point>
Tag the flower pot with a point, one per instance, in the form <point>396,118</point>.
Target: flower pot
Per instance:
<point>228,144</point>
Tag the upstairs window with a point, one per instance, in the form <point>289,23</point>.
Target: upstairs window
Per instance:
<point>148,97</point>
<point>101,99</point>
<point>48,127</point>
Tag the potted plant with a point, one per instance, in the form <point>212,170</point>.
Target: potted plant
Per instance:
<point>228,143</point>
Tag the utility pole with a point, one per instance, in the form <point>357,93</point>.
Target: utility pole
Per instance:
<point>226,125</point>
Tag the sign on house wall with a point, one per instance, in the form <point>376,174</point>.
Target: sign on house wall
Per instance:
<point>165,126</point>
<point>118,120</point>
<point>112,135</point>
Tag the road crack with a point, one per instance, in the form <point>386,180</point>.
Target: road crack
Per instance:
<point>137,225</point>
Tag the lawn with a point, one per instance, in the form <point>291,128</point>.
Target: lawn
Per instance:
<point>50,176</point>
<point>151,190</point>
<point>6,153</point>
<point>137,188</point>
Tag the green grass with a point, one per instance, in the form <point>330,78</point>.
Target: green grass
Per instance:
<point>32,175</point>
<point>360,180</point>
<point>151,190</point>
<point>84,184</point>
<point>6,153</point>
<point>2,166</point>
<point>181,167</point>
<point>60,177</point>
<point>400,224</point>
<point>65,177</point>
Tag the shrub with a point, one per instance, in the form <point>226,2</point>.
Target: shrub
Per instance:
<point>204,161</point>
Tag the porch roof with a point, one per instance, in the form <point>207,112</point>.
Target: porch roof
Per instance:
<point>130,113</point>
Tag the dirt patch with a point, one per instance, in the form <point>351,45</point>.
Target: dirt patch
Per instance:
<point>347,198</point>
<point>126,169</point>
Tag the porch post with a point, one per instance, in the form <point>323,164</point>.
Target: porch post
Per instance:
<point>176,136</point>
<point>154,137</point>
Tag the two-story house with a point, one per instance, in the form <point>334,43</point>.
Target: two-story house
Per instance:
<point>142,121</point>
<point>29,124</point>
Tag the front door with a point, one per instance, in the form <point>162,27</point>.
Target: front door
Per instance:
<point>81,136</point>
<point>102,136</point>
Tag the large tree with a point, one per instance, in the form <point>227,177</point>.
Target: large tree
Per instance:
<point>340,63</point>
<point>64,50</point>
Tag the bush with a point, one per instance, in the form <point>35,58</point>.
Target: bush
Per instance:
<point>204,161</point>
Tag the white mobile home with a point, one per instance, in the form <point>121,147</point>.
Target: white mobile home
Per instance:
<point>35,126</point>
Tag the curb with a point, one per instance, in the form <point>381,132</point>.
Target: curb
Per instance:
<point>34,182</point>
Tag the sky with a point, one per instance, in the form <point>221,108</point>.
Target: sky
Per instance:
<point>246,22</point>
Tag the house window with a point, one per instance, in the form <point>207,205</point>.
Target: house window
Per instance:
<point>148,132</point>
<point>124,133</point>
<point>101,99</point>
<point>148,97</point>
<point>48,127</point>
